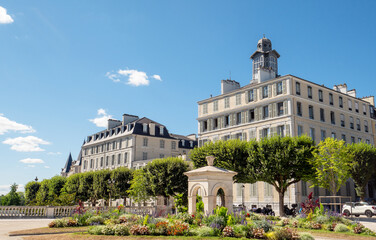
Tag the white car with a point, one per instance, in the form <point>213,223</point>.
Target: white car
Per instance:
<point>359,208</point>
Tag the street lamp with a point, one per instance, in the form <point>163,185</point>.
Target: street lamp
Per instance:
<point>243,207</point>
<point>36,179</point>
<point>111,183</point>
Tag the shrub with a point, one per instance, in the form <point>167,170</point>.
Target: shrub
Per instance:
<point>214,221</point>
<point>111,221</point>
<point>72,223</point>
<point>177,229</point>
<point>95,220</point>
<point>240,231</point>
<point>108,230</point>
<point>228,231</point>
<point>59,223</point>
<point>294,224</point>
<point>286,233</point>
<point>306,236</point>
<point>96,230</point>
<point>255,217</point>
<point>316,225</point>
<point>139,230</point>
<point>121,230</point>
<point>322,219</point>
<point>330,226</point>
<point>81,218</point>
<point>285,222</point>
<point>258,233</point>
<point>264,224</point>
<point>359,228</point>
<point>341,228</point>
<point>52,224</point>
<point>204,231</point>
<point>273,218</point>
<point>185,217</point>
<point>161,228</point>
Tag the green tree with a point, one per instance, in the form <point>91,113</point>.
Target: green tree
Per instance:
<point>230,154</point>
<point>281,161</point>
<point>72,187</point>
<point>100,187</point>
<point>362,165</point>
<point>55,185</point>
<point>12,198</point>
<point>331,160</point>
<point>31,190</point>
<point>42,194</point>
<point>138,190</point>
<point>122,177</point>
<point>86,188</point>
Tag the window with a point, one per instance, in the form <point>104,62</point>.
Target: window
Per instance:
<point>323,135</point>
<point>113,145</point>
<point>356,107</point>
<point>85,164</point>
<point>215,106</point>
<point>113,160</point>
<point>321,98</point>
<point>312,133</point>
<point>101,161</point>
<point>144,156</point>
<point>334,135</point>
<point>367,141</point>
<point>322,115</point>
<point>280,108</point>
<point>364,109</point>
<point>215,123</point>
<point>310,110</point>
<point>173,145</point>
<point>342,120</point>
<point>91,163</point>
<point>161,130</point>
<point>107,161</point>
<point>365,126</point>
<point>251,115</point>
<point>299,109</point>
<point>125,157</point>
<point>238,99</point>
<point>350,104</point>
<point>268,190</point>
<point>145,143</point>
<point>227,121</point>
<point>265,132</point>
<point>359,140</point>
<point>358,124</point>
<point>253,190</point>
<point>331,98</point>
<point>227,102</point>
<point>145,128</point>
<point>352,139</point>
<point>265,91</point>
<point>281,130</point>
<point>332,117</point>
<point>340,102</point>
<point>120,142</point>
<point>205,108</point>
<point>191,144</point>
<point>279,88</point>
<point>300,130</point>
<point>309,90</point>
<point>238,118</point>
<point>297,88</point>
<point>265,113</point>
<point>204,126</point>
<point>251,95</point>
<point>119,159</point>
<point>351,122</point>
<point>343,137</point>
<point>161,155</point>
<point>161,143</point>
<point>304,188</point>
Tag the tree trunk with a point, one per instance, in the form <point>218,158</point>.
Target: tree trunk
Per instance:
<point>281,204</point>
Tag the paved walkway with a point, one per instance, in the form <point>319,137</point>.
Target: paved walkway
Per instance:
<point>10,225</point>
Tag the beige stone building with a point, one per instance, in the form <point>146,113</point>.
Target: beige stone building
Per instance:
<point>283,105</point>
<point>132,142</point>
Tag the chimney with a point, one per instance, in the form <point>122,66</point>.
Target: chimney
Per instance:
<point>113,123</point>
<point>127,118</point>
<point>229,85</point>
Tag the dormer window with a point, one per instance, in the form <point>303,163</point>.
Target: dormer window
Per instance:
<point>182,142</point>
<point>191,144</point>
<point>145,127</point>
<point>161,130</point>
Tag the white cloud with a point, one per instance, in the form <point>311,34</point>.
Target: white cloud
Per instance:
<point>26,144</point>
<point>46,167</point>
<point>9,125</point>
<point>102,119</point>
<point>31,166</point>
<point>4,17</point>
<point>32,160</point>
<point>54,153</point>
<point>157,77</point>
<point>133,77</point>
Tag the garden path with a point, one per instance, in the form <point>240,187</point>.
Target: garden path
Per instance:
<point>10,225</point>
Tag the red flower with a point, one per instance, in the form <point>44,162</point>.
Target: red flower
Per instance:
<point>193,215</point>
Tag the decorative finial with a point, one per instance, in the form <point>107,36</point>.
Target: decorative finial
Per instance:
<point>263,35</point>
<point>210,160</point>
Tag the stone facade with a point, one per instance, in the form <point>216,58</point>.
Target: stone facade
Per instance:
<point>284,105</point>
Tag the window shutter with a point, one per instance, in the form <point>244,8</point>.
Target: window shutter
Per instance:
<point>246,94</point>
<point>287,130</point>
<point>285,108</point>
<point>234,119</point>
<point>251,134</point>
<point>223,121</point>
<point>244,136</point>
<point>274,109</point>
<point>270,108</point>
<point>284,90</point>
<point>201,126</point>
<point>269,91</point>
<point>243,117</point>
<point>210,124</point>
<point>256,114</point>
<point>246,116</point>
<point>273,131</point>
<point>274,89</point>
<point>260,133</point>
<point>255,92</point>
<point>260,113</point>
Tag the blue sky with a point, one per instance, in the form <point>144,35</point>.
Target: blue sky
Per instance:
<point>64,63</point>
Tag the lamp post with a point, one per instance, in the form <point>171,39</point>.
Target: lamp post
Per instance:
<point>243,207</point>
<point>110,183</point>
<point>36,179</point>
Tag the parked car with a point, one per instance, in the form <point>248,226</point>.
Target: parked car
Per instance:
<point>359,208</point>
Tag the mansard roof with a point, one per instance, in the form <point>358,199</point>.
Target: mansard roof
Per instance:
<point>68,164</point>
